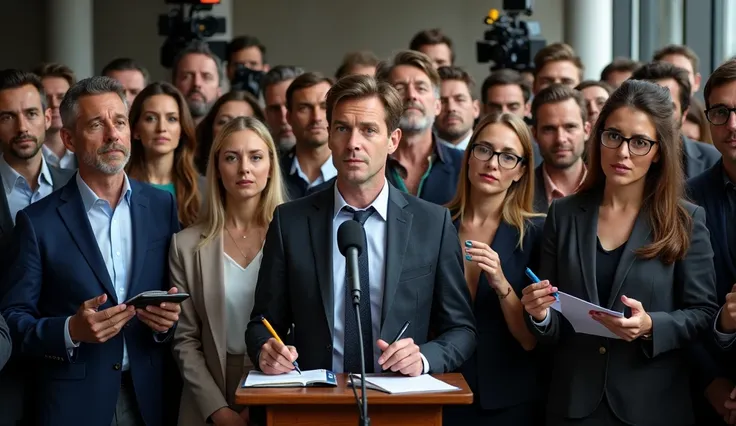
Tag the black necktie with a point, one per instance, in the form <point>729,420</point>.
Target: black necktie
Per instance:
<point>351,361</point>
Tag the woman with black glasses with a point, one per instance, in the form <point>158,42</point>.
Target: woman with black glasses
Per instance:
<point>626,241</point>
<point>500,236</point>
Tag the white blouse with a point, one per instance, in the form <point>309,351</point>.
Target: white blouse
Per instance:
<point>240,289</point>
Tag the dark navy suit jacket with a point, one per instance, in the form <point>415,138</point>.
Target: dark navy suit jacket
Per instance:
<point>708,190</point>
<point>501,373</point>
<point>56,266</point>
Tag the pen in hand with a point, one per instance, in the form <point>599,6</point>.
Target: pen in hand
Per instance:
<point>278,339</point>
<point>535,279</point>
<point>400,334</point>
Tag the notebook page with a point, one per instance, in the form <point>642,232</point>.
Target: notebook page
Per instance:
<point>257,378</point>
<point>402,384</point>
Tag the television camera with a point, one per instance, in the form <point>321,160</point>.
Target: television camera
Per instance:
<point>510,42</point>
<point>185,24</point>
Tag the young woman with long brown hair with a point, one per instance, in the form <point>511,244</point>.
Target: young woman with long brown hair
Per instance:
<point>500,235</point>
<point>627,241</point>
<point>163,147</point>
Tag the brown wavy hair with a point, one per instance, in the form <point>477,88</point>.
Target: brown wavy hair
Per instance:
<point>518,203</point>
<point>204,130</point>
<point>184,176</point>
<point>664,186</point>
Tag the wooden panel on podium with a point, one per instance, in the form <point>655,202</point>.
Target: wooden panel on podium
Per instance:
<point>336,406</point>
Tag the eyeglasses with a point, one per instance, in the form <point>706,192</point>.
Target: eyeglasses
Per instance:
<point>506,160</point>
<point>637,145</point>
<point>719,115</point>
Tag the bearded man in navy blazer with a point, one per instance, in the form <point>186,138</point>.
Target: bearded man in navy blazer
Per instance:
<point>79,254</point>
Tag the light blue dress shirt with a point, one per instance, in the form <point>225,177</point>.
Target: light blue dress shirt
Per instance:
<point>376,235</point>
<point>17,190</point>
<point>326,172</point>
<point>113,230</point>
<point>68,161</point>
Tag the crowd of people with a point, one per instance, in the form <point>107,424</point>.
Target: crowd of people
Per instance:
<point>619,191</point>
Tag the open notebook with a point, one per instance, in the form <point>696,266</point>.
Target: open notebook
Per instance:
<point>293,379</point>
<point>396,384</point>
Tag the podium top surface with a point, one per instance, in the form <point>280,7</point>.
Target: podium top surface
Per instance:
<point>343,394</point>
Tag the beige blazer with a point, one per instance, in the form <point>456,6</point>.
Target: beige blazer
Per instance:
<point>200,345</point>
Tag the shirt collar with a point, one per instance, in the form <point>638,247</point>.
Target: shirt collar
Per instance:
<point>327,169</point>
<point>553,192</point>
<point>380,203</point>
<point>10,176</point>
<point>461,146</point>
<point>89,198</point>
<point>439,151</point>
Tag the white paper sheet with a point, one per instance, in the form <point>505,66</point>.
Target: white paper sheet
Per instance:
<point>577,312</point>
<point>396,384</point>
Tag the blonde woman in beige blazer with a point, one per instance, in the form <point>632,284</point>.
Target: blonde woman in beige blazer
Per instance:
<point>216,261</point>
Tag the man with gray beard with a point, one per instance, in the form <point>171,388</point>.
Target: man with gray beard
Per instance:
<point>25,178</point>
<point>198,73</point>
<point>454,126</point>
<point>76,258</point>
<point>420,166</point>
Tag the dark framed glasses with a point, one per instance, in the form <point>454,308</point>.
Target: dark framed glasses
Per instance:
<point>718,115</point>
<point>637,145</point>
<point>506,160</point>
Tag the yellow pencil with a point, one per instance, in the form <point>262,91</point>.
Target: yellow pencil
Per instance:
<point>278,339</point>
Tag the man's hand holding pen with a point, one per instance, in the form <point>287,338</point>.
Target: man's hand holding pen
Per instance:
<point>277,358</point>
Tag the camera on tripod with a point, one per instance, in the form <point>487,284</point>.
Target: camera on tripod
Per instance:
<point>511,42</point>
<point>183,25</point>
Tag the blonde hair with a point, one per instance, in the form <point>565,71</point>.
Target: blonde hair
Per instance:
<point>517,206</point>
<point>212,217</point>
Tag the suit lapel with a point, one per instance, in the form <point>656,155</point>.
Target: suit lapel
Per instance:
<point>504,242</point>
<point>398,229</point>
<point>211,265</point>
<point>694,163</point>
<point>638,238</point>
<point>586,231</point>
<point>75,219</point>
<point>141,231</point>
<point>320,235</point>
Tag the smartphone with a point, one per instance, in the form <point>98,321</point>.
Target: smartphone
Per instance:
<point>155,297</point>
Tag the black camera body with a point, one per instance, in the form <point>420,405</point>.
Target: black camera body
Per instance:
<point>511,42</point>
<point>181,26</point>
<point>247,79</point>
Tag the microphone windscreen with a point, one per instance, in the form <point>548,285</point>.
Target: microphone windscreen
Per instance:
<point>350,234</point>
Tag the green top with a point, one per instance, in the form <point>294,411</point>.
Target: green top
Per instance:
<point>166,187</point>
<point>400,180</point>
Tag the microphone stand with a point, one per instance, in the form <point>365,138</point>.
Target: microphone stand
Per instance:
<point>363,419</point>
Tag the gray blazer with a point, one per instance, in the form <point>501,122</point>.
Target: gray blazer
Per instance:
<point>646,382</point>
<point>698,156</point>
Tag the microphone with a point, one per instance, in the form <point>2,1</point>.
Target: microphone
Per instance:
<point>350,238</point>
<point>350,242</point>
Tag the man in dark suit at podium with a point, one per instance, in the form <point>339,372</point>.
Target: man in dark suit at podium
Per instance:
<point>411,268</point>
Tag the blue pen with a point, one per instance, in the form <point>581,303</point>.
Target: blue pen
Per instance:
<point>536,279</point>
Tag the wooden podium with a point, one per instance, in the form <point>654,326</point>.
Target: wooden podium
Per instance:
<point>336,406</point>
